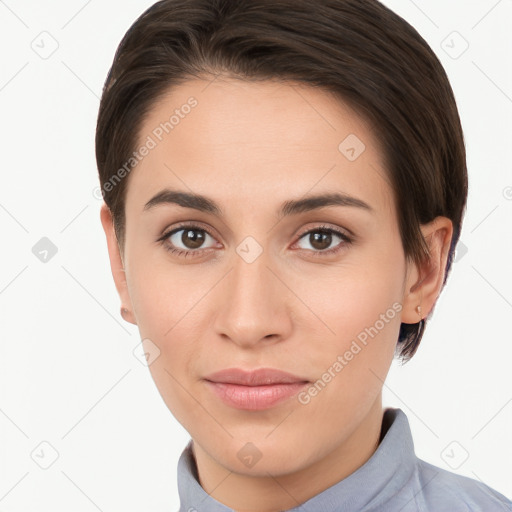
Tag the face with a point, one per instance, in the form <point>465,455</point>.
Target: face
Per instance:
<point>315,289</point>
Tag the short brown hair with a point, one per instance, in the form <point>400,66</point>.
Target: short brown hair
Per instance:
<point>360,50</point>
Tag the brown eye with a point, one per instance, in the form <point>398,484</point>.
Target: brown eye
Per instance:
<point>192,238</point>
<point>187,240</point>
<point>321,239</point>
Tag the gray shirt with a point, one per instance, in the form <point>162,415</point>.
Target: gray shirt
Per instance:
<point>392,480</point>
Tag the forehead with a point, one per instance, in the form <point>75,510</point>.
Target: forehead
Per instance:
<point>268,141</point>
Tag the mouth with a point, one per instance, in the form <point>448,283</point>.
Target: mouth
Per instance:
<point>254,390</point>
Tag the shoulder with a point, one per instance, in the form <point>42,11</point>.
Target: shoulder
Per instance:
<point>442,490</point>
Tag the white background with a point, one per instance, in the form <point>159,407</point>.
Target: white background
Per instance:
<point>68,376</point>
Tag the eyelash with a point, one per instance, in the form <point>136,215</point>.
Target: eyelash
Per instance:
<point>193,227</point>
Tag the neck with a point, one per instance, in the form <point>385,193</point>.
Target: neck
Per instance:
<point>284,491</point>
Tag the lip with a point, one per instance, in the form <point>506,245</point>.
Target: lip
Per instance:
<point>259,377</point>
<point>254,390</point>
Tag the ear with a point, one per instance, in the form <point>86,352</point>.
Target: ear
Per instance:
<point>423,284</point>
<point>116,263</point>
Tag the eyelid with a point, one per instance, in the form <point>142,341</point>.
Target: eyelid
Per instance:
<point>194,224</point>
<point>347,238</point>
<point>327,227</point>
<point>199,224</point>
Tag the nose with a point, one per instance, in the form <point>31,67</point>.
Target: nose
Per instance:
<point>254,303</point>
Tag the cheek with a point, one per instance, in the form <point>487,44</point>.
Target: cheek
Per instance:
<point>158,295</point>
<point>356,304</point>
<point>166,315</point>
<point>166,306</point>
<point>362,310</point>
<point>351,365</point>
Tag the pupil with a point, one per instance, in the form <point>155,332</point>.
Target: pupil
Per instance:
<point>191,238</point>
<point>321,238</point>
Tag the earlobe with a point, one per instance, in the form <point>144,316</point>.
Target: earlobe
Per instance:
<point>116,264</point>
<point>424,284</point>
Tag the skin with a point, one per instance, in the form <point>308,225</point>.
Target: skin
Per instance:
<point>250,147</point>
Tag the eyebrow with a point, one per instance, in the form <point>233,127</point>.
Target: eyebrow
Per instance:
<point>291,207</point>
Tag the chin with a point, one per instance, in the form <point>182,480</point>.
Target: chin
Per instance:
<point>259,458</point>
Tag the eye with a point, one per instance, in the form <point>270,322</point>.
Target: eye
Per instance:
<point>321,238</point>
<point>190,240</point>
<point>187,240</point>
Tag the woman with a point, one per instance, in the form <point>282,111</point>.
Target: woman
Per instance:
<point>284,186</point>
